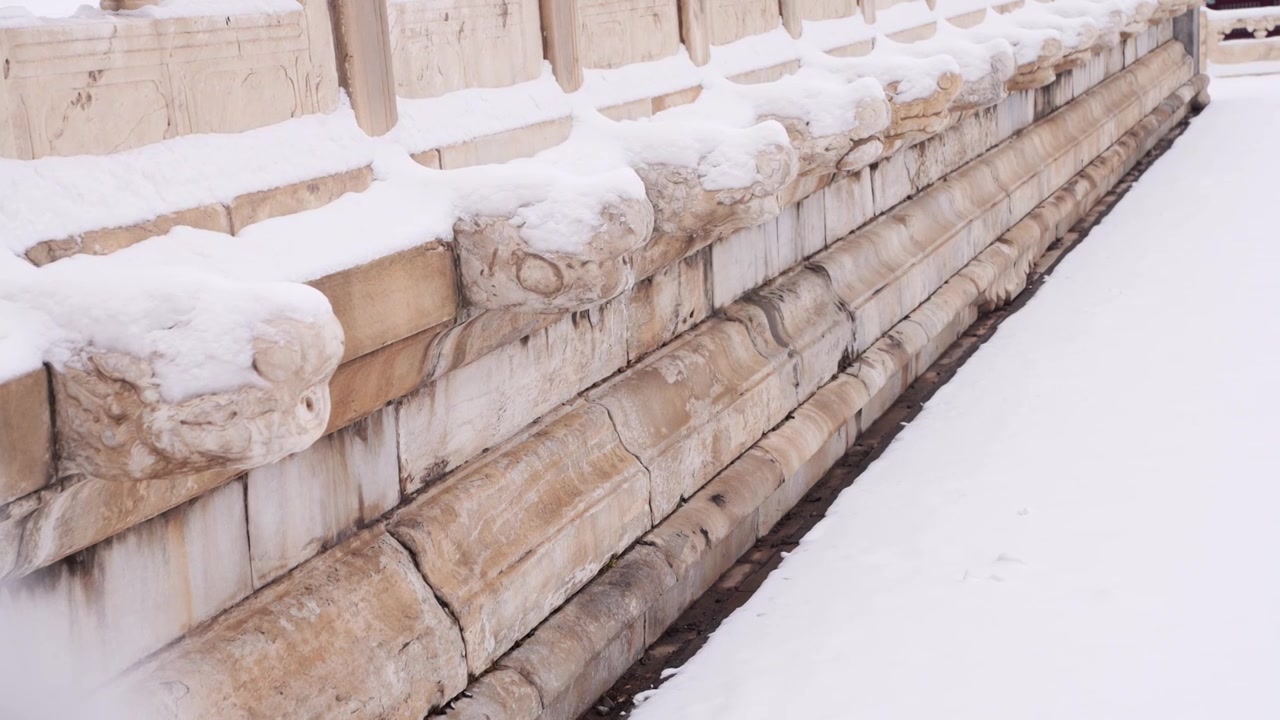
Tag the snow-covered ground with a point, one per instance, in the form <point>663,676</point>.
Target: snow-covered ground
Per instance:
<point>1083,523</point>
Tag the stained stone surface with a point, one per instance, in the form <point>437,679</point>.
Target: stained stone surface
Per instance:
<point>353,633</point>
<point>114,423</point>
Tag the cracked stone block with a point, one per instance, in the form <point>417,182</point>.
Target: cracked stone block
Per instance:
<point>504,541</point>
<point>810,443</point>
<point>577,654</point>
<point>353,633</point>
<point>707,535</point>
<point>454,417</point>
<point>301,504</point>
<point>687,410</point>
<point>499,694</point>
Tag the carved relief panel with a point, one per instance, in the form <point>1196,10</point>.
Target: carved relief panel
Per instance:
<point>735,19</point>
<point>439,46</point>
<point>618,32</point>
<point>826,9</point>
<point>72,88</point>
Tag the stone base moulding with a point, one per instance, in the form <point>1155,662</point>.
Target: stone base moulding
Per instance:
<point>788,339</point>
<point>564,666</point>
<point>494,577</point>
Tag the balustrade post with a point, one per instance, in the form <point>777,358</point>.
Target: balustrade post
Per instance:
<point>362,40</point>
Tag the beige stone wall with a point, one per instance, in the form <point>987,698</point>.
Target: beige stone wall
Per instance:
<point>613,33</point>
<point>439,46</point>
<point>826,9</point>
<point>736,19</point>
<point>98,87</point>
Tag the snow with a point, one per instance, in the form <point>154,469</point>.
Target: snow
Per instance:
<point>1262,67</point>
<point>43,8</point>
<point>916,77</point>
<point>1081,524</point>
<point>973,57</point>
<point>30,12</point>
<point>1028,43</point>
<point>464,115</point>
<point>637,81</point>
<point>196,327</point>
<point>824,35</point>
<point>1251,13</point>
<point>1075,32</point>
<point>56,197</point>
<point>754,52</point>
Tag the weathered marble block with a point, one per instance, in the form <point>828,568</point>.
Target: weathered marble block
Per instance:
<point>439,46</point>
<point>353,633</point>
<point>26,436</point>
<point>847,203</point>
<point>70,627</point>
<point>665,305</point>
<point>800,324</point>
<point>505,541</point>
<point>75,87</point>
<point>748,258</point>
<point>690,408</point>
<point>454,417</point>
<point>301,504</point>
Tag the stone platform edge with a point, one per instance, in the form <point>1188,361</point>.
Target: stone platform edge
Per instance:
<point>447,631</point>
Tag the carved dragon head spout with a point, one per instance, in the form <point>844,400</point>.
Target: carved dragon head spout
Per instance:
<point>546,240</point>
<point>717,180</point>
<point>161,370</point>
<point>826,114</point>
<point>502,269</point>
<point>115,422</point>
<point>689,201</point>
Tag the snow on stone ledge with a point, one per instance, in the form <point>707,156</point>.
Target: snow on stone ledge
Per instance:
<point>462,115</point>
<point>196,327</point>
<point>53,198</point>
<point>21,13</point>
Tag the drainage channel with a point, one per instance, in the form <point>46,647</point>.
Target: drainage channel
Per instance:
<point>688,633</point>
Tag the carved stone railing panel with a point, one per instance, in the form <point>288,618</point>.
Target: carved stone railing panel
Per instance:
<point>1262,23</point>
<point>74,87</point>
<point>439,46</point>
<point>613,33</point>
<point>163,372</point>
